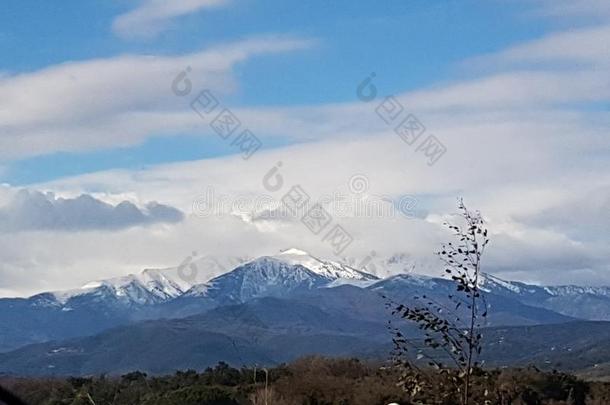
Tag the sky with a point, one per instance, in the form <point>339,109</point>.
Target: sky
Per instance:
<point>116,156</point>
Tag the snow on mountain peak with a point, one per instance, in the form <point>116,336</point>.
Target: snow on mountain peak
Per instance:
<point>294,251</point>
<point>488,282</point>
<point>146,287</point>
<point>291,268</point>
<point>326,268</point>
<point>151,285</point>
<point>157,285</point>
<point>276,275</point>
<point>260,277</point>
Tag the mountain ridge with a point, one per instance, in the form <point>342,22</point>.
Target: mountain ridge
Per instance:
<point>155,294</point>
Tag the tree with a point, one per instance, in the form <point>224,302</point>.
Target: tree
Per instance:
<point>450,334</point>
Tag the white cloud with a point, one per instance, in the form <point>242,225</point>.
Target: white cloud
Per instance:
<point>154,16</point>
<point>583,216</point>
<point>578,47</point>
<point>507,176</point>
<point>523,146</point>
<point>117,101</point>
<point>515,171</point>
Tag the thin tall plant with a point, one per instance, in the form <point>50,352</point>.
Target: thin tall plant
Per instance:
<point>448,334</point>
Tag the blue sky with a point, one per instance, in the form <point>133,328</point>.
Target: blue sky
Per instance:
<point>513,94</point>
<point>408,44</point>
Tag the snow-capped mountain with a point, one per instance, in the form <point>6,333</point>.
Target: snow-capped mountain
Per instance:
<point>291,270</point>
<point>591,303</point>
<point>496,284</point>
<point>200,284</point>
<point>151,286</point>
<point>265,276</point>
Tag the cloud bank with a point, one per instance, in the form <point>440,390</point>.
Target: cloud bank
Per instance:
<point>525,130</point>
<point>72,107</point>
<point>32,210</point>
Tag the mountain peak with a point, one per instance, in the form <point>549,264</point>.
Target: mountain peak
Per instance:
<point>290,270</point>
<point>294,251</point>
<point>148,286</point>
<point>264,276</point>
<point>329,269</point>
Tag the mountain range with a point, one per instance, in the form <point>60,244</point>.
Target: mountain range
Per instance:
<point>269,310</point>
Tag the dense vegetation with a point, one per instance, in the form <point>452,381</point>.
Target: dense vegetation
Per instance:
<point>313,381</point>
